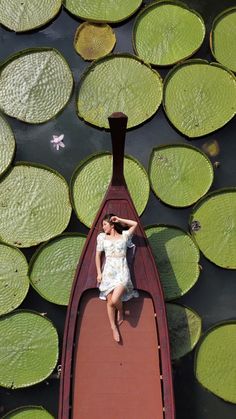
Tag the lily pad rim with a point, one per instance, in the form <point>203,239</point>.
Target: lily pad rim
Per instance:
<point>26,407</point>
<point>174,3</point>
<point>38,26</point>
<point>28,51</point>
<point>78,30</point>
<point>216,20</point>
<point>2,116</point>
<point>101,20</point>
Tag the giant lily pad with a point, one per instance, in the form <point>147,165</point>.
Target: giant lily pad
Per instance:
<point>223,38</point>
<point>180,174</point>
<point>93,41</point>
<point>215,216</point>
<point>166,32</point>
<point>119,83</point>
<point>34,205</point>
<point>14,280</point>
<point>176,256</point>
<point>199,97</point>
<point>25,15</point>
<point>53,266</point>
<point>28,412</point>
<point>185,327</point>
<point>215,362</point>
<point>28,349</point>
<point>35,85</point>
<point>102,10</point>
<point>92,177</point>
<point>7,145</point>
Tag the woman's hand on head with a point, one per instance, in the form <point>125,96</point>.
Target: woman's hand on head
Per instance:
<point>114,219</point>
<point>99,278</point>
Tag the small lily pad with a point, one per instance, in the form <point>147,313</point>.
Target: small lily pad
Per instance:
<point>35,85</point>
<point>28,412</point>
<point>216,237</point>
<point>28,349</point>
<point>180,174</point>
<point>25,15</point>
<point>53,267</point>
<point>215,361</point>
<point>92,177</point>
<point>7,145</point>
<point>14,280</point>
<point>93,41</point>
<point>177,259</point>
<point>39,212</point>
<point>185,327</point>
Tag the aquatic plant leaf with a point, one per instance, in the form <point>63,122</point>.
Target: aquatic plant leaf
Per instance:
<point>93,41</point>
<point>92,177</point>
<point>39,212</point>
<point>28,412</point>
<point>28,349</point>
<point>53,267</point>
<point>215,361</point>
<point>199,97</point>
<point>7,145</point>
<point>35,85</point>
<point>216,237</point>
<point>180,174</point>
<point>119,83</point>
<point>102,10</point>
<point>14,280</point>
<point>177,259</point>
<point>185,327</point>
<point>166,32</point>
<point>26,15</point>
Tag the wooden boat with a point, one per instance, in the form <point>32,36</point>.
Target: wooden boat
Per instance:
<point>100,378</point>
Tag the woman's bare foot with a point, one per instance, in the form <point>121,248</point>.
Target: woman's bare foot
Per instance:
<point>120,317</point>
<point>116,334</point>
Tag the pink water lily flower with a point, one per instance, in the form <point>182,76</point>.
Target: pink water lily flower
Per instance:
<point>58,141</point>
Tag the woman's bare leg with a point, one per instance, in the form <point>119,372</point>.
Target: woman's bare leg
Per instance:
<point>116,299</point>
<point>111,311</point>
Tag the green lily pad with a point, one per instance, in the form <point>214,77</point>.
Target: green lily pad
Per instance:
<point>177,259</point>
<point>7,145</point>
<point>180,174</point>
<point>35,85</point>
<point>25,15</point>
<point>215,362</point>
<point>93,41</point>
<point>28,412</point>
<point>14,280</point>
<point>166,32</point>
<point>185,327</point>
<point>215,216</point>
<point>223,38</point>
<point>119,83</point>
<point>102,10</point>
<point>39,212</point>
<point>199,97</point>
<point>28,349</point>
<point>53,267</point>
<point>91,179</point>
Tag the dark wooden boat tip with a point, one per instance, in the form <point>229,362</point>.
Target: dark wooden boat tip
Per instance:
<point>100,378</point>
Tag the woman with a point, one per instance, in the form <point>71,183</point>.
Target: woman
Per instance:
<point>114,280</point>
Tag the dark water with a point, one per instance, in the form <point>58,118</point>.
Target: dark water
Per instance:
<point>213,297</point>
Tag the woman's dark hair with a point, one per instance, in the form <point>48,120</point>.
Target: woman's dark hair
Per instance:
<point>117,226</point>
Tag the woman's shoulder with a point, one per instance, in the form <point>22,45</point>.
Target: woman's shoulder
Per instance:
<point>101,235</point>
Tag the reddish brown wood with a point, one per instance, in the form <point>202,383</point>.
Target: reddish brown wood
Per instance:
<point>145,277</point>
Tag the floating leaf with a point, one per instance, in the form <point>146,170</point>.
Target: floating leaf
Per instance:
<point>35,85</point>
<point>215,362</point>
<point>185,327</point>
<point>92,177</point>
<point>223,38</point>
<point>14,280</point>
<point>28,349</point>
<point>119,83</point>
<point>166,32</point>
<point>102,10</point>
<point>199,97</point>
<point>176,256</point>
<point>28,412</point>
<point>93,41</point>
<point>216,238</point>
<point>40,211</point>
<point>7,145</point>
<point>25,15</point>
<point>180,174</point>
<point>53,267</point>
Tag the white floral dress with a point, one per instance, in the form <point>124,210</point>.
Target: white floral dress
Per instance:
<point>115,271</point>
